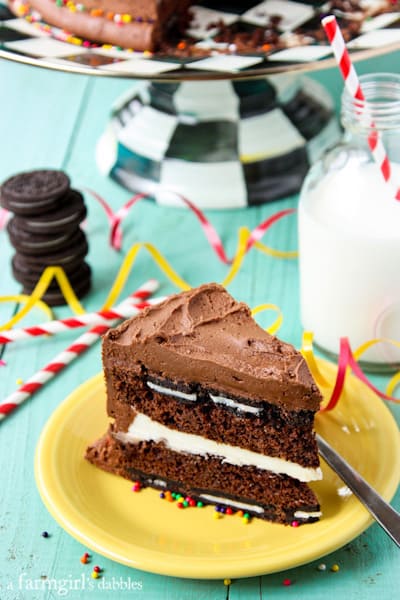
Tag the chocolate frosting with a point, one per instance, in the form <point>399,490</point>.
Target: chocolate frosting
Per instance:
<point>205,336</point>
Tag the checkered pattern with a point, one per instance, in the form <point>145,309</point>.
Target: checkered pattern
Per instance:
<point>26,41</point>
<point>222,144</point>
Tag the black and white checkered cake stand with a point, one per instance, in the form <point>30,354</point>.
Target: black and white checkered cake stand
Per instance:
<point>225,130</point>
<point>222,144</point>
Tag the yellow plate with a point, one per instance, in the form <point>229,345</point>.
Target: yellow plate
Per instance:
<point>140,530</point>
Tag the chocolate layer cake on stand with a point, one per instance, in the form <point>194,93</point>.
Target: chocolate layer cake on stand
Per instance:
<point>207,404</point>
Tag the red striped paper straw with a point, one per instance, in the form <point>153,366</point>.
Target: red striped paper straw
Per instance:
<point>103,317</point>
<point>39,379</point>
<point>353,86</point>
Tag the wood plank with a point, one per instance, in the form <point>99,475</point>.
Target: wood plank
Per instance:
<point>38,109</point>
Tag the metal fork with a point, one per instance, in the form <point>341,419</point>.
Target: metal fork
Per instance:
<point>383,513</point>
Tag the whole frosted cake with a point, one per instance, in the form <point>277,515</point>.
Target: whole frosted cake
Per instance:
<point>206,403</point>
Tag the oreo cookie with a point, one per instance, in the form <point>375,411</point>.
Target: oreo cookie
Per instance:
<point>73,249</point>
<point>56,298</point>
<point>29,277</point>
<point>34,192</point>
<point>45,231</point>
<point>69,212</point>
<point>68,258</point>
<point>36,245</point>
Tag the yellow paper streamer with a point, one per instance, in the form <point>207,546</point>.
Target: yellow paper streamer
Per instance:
<point>239,256</point>
<point>166,268</point>
<point>272,251</point>
<point>46,278</point>
<point>276,325</point>
<point>24,299</point>
<point>308,353</point>
<point>364,347</point>
<point>276,253</point>
<point>392,385</point>
<point>127,266</point>
<point>395,380</point>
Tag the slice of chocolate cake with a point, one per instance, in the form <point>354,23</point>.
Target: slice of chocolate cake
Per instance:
<point>206,403</point>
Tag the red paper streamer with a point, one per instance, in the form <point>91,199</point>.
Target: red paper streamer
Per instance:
<point>115,219</point>
<point>346,360</point>
<point>4,215</point>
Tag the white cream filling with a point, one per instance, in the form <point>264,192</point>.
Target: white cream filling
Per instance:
<point>170,392</point>
<point>45,225</point>
<point>237,405</point>
<point>228,502</point>
<point>301,514</point>
<point>143,429</point>
<point>159,482</point>
<point>45,244</point>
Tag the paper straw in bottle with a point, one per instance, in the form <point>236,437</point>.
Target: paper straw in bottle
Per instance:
<point>353,86</point>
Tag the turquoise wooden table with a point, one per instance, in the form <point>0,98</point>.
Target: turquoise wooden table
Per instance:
<point>54,120</point>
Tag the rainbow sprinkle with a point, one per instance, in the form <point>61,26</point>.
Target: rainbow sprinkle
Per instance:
<point>23,9</point>
<point>85,558</point>
<point>183,502</point>
<point>119,19</point>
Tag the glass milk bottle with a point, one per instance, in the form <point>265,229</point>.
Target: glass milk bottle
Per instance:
<point>349,231</point>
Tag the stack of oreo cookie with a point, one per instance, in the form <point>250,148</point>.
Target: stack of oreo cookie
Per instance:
<point>45,230</point>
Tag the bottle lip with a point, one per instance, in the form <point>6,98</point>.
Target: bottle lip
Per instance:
<point>381,107</point>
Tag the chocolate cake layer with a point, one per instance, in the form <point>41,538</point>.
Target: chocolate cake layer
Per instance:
<point>204,335</point>
<point>272,431</point>
<point>274,497</point>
